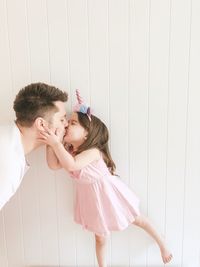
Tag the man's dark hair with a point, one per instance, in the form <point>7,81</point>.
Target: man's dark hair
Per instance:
<point>36,100</point>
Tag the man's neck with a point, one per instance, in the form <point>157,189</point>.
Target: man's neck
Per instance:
<point>28,138</point>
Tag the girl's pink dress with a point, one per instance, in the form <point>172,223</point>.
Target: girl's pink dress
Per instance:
<point>103,203</point>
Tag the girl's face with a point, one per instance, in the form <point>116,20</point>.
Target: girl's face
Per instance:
<point>75,133</point>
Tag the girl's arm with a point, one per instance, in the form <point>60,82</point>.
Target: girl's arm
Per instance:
<point>70,163</point>
<point>52,159</point>
<point>62,157</point>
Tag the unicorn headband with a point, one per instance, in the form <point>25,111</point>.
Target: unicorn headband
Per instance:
<point>81,106</point>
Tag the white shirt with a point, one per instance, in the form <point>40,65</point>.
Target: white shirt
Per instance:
<point>12,162</point>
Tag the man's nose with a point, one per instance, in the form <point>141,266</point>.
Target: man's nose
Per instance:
<point>66,123</point>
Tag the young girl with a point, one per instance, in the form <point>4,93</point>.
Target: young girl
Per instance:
<point>103,203</point>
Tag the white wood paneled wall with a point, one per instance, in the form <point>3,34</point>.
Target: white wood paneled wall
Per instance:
<point>138,64</point>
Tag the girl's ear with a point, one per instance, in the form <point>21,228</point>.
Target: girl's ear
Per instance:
<point>86,135</point>
<point>40,123</point>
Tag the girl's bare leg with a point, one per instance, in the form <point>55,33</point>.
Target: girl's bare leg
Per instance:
<point>101,250</point>
<point>145,224</point>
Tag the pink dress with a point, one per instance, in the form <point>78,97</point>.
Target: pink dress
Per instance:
<point>103,203</point>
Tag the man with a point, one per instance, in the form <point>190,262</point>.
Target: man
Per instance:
<point>36,106</point>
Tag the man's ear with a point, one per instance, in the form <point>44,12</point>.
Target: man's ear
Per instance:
<point>40,123</point>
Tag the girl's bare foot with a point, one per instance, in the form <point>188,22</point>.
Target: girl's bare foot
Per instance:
<point>166,255</point>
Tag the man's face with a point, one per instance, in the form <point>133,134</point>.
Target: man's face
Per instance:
<point>59,119</point>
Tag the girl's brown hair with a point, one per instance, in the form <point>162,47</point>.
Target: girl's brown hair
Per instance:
<point>97,137</point>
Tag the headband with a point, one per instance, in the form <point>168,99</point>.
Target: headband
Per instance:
<point>81,106</point>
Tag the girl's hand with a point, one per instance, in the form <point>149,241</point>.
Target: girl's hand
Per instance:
<point>60,133</point>
<point>49,137</point>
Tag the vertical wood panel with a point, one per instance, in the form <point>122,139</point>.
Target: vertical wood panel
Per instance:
<point>17,37</point>
<point>138,119</point>
<point>58,43</point>
<point>31,213</point>
<point>66,225</point>
<point>3,243</point>
<point>80,78</point>
<point>38,40</point>
<point>5,67</point>
<point>99,66</point>
<point>48,211</point>
<point>45,179</point>
<point>158,115</point>
<point>118,80</point>
<point>99,62</point>
<point>17,34</point>
<point>178,101</point>
<point>13,233</point>
<point>60,75</point>
<point>191,235</point>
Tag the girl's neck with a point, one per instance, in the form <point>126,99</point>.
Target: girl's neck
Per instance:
<point>76,145</point>
<point>70,148</point>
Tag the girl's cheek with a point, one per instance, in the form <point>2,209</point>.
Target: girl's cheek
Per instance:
<point>67,136</point>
